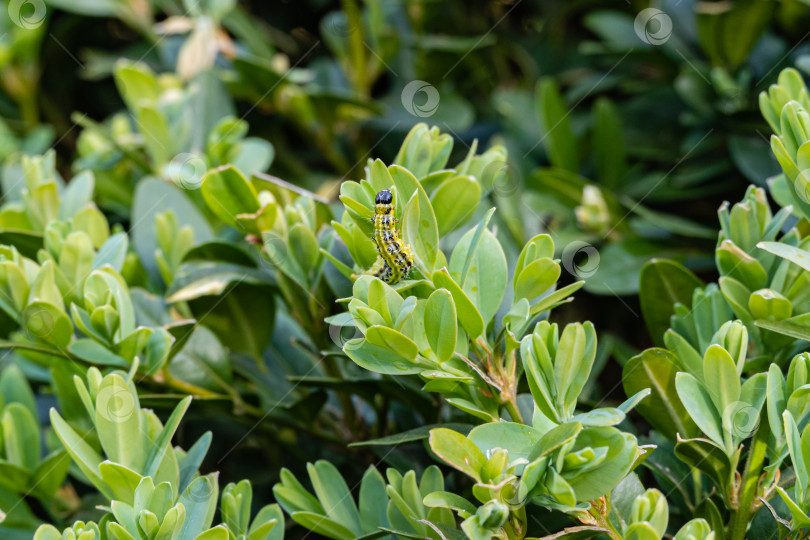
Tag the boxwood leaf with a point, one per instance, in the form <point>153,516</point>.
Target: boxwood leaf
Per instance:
<point>707,456</point>
<point>200,502</point>
<point>468,314</point>
<point>82,453</point>
<point>698,403</point>
<point>478,265</point>
<point>378,359</point>
<point>720,377</point>
<point>420,230</point>
<point>320,524</point>
<point>121,480</point>
<point>517,439</point>
<point>458,451</point>
<point>656,369</point>
<point>334,495</point>
<point>454,202</point>
<point>441,328</point>
<point>664,283</point>
<point>21,436</point>
<point>228,193</point>
<point>118,422</point>
<point>372,501</point>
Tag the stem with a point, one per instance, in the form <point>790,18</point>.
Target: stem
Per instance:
<point>740,518</point>
<point>603,521</point>
<point>5,344</point>
<point>514,411</point>
<point>187,388</point>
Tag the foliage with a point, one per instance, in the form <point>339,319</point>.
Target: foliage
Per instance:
<point>185,298</point>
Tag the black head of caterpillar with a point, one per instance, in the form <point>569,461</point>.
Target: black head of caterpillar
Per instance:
<point>384,197</point>
<point>394,258</point>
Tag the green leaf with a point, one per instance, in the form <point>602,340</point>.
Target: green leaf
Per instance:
<point>800,518</point>
<point>458,451</point>
<point>556,298</point>
<point>94,353</point>
<point>220,532</point>
<point>163,442</point>
<point>621,454</point>
<point>228,193</point>
<point>536,278</point>
<point>334,495</point>
<point>293,497</point>
<point>44,287</point>
<point>153,197</point>
<point>135,81</point>
<point>441,327</point>
<point>82,453</point>
<point>602,417</point>
<point>540,246</point>
<point>14,478</point>
<point>558,138</point>
<point>573,361</point>
<point>48,323</point>
<point>121,480</point>
<point>608,143</point>
<point>518,439</point>
<point>268,524</point>
<point>641,531</point>
<point>445,499</point>
<point>556,438</point>
<point>663,284</point>
<point>118,422</point>
<point>206,278</point>
<point>320,524</point>
<point>395,342</point>
<point>372,501</point>
<point>719,32</point>
<point>200,502</point>
<point>484,281</point>
<point>255,155</point>
<point>797,457</point>
<point>203,361</point>
<point>303,247</point>
<point>21,436</point>
<point>797,327</point>
<point>243,316</point>
<point>420,230</point>
<point>656,369</point>
<point>379,359</point>
<point>793,254</point>
<point>708,457</point>
<point>415,434</point>
<point>157,138</point>
<point>454,202</point>
<point>14,388</point>
<point>700,406</point>
<point>77,195</point>
<point>721,381</point>
<point>468,314</point>
<point>112,252</point>
<point>50,474</point>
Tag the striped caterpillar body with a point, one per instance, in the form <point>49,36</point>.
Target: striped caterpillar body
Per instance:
<point>394,259</point>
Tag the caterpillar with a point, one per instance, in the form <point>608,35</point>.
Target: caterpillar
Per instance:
<point>394,259</point>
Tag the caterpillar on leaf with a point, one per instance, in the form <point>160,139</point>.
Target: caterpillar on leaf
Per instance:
<point>394,258</point>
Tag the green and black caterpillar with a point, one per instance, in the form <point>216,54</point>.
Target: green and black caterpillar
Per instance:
<point>394,259</point>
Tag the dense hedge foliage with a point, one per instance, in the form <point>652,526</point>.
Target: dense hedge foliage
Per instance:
<point>577,338</point>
